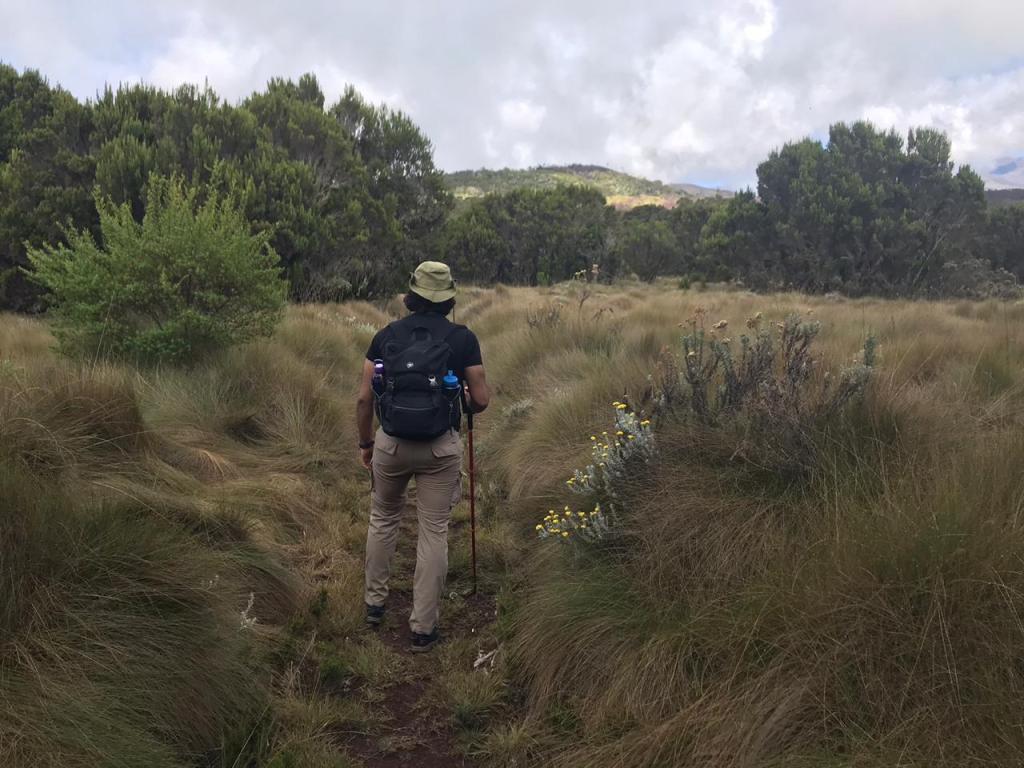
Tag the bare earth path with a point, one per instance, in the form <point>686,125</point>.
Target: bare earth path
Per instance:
<point>413,726</point>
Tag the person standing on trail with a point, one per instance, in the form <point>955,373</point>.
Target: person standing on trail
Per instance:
<point>419,373</point>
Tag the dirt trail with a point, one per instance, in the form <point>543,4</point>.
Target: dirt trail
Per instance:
<point>414,728</point>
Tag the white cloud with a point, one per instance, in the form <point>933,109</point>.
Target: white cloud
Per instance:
<point>675,89</point>
<point>523,153</point>
<point>199,54</point>
<point>521,115</point>
<point>746,32</point>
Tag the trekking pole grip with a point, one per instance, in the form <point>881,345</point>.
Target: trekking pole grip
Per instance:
<point>467,409</point>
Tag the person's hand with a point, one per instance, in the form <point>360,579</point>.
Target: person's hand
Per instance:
<point>366,457</point>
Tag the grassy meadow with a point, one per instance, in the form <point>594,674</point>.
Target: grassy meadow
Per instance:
<point>181,550</point>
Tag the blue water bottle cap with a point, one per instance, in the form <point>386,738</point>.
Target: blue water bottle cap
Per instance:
<point>451,381</point>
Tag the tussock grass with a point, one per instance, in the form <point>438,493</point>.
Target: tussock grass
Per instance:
<point>116,641</point>
<point>867,613</point>
<point>470,694</point>
<point>863,616</point>
<point>160,531</point>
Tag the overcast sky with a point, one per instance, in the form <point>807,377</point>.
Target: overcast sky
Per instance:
<point>679,90</point>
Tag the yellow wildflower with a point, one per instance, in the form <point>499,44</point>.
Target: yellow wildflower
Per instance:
<point>565,534</point>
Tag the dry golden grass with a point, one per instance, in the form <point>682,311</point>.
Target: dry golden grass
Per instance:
<point>868,617</point>
<point>230,480</point>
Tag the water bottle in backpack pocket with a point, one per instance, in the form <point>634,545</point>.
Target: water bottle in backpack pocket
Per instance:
<point>377,382</point>
<point>418,402</point>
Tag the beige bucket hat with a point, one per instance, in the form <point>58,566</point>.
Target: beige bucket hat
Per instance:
<point>433,281</point>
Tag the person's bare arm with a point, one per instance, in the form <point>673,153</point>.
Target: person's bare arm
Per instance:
<point>479,392</point>
<point>364,414</point>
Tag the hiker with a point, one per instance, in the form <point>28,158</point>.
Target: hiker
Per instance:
<point>419,373</point>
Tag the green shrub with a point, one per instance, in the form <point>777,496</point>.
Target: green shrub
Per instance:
<point>188,280</point>
<point>768,401</point>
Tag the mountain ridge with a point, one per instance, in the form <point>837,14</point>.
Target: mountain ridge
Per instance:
<point>620,189</point>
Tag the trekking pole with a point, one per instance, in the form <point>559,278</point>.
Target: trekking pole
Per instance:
<point>472,497</point>
<point>472,501</point>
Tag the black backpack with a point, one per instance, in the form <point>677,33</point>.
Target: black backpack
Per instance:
<point>414,403</point>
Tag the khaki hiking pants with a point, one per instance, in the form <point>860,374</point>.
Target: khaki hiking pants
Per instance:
<point>436,466</point>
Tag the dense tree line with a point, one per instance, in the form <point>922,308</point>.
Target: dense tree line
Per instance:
<point>349,197</point>
<point>540,236</point>
<point>864,213</point>
<point>529,236</point>
<point>348,193</point>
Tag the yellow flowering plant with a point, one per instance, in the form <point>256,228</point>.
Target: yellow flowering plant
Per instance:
<point>632,440</point>
<point>613,457</point>
<point>574,524</point>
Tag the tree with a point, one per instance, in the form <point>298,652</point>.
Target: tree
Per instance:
<point>45,175</point>
<point>868,213</point>
<point>188,280</point>
<point>472,246</point>
<point>646,244</point>
<point>1005,239</point>
<point>687,221</point>
<point>647,248</point>
<point>399,161</point>
<point>350,198</point>
<point>529,236</point>
<point>307,185</point>
<point>737,243</point>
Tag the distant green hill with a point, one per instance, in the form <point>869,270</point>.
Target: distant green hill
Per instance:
<point>1000,197</point>
<point>620,189</point>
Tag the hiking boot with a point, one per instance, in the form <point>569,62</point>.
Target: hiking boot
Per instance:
<point>374,615</point>
<point>422,643</point>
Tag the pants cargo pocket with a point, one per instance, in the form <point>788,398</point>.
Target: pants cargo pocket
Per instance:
<point>385,443</point>
<point>447,449</point>
<point>449,444</point>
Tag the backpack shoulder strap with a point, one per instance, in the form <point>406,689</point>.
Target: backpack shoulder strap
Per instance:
<point>439,328</point>
<point>453,328</point>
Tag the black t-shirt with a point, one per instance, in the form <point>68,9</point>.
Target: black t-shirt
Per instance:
<point>464,344</point>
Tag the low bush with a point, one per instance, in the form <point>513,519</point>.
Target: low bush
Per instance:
<point>773,399</point>
<point>187,281</point>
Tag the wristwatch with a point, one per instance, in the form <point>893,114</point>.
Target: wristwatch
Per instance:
<point>367,444</point>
